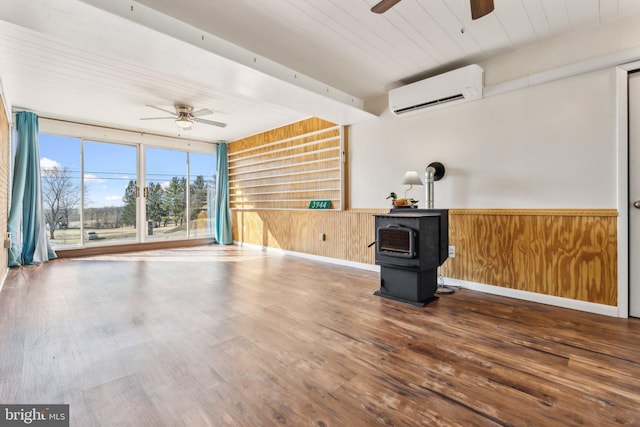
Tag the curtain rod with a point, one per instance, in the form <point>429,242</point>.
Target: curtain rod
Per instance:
<point>15,110</point>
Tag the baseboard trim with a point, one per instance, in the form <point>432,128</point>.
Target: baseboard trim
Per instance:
<point>130,247</point>
<point>345,263</point>
<point>590,307</point>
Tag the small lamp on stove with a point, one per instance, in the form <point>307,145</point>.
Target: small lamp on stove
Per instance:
<point>411,178</point>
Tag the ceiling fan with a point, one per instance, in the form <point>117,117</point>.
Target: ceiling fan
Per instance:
<point>184,116</point>
<point>479,8</point>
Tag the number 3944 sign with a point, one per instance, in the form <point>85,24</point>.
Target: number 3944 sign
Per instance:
<point>320,204</point>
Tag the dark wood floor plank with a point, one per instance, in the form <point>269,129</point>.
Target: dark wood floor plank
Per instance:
<point>226,336</point>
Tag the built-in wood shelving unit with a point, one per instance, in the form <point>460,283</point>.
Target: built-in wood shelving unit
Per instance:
<point>288,167</point>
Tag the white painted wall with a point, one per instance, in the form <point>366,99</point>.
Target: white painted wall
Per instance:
<point>548,146</point>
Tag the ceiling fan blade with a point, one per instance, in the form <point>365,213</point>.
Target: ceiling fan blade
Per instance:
<point>384,5</point>
<point>480,8</point>
<point>209,122</point>
<point>202,112</point>
<point>162,109</point>
<point>157,118</point>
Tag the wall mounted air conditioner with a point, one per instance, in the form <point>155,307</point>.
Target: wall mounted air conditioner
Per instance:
<point>461,85</point>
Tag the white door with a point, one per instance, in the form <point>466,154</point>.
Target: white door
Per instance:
<point>634,194</point>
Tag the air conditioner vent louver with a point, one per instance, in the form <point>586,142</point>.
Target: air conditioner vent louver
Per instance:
<point>429,104</point>
<point>463,84</point>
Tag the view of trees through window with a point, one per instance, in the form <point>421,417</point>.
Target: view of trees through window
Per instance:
<point>91,193</point>
<point>107,169</point>
<point>202,170</point>
<point>61,187</point>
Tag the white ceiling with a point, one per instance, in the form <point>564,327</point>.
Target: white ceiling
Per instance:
<point>258,64</point>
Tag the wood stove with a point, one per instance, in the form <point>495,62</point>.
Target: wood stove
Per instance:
<point>410,246</point>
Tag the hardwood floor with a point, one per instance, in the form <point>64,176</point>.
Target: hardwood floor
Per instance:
<point>225,336</point>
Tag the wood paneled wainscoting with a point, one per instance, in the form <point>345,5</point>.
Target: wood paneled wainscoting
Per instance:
<point>564,253</point>
<point>346,234</point>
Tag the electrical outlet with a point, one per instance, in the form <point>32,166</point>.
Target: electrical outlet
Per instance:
<point>452,251</point>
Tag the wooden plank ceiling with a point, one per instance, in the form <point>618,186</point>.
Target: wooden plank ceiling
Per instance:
<point>345,45</point>
<point>257,64</point>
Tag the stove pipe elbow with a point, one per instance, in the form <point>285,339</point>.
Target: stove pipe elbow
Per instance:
<point>433,172</point>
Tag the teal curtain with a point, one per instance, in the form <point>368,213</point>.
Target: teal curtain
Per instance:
<point>222,213</point>
<point>27,225</point>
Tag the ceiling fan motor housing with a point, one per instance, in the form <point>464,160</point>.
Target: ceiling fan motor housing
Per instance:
<point>183,110</point>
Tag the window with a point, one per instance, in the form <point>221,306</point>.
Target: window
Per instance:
<point>202,185</point>
<point>166,187</point>
<point>60,169</point>
<point>92,196</point>
<point>109,208</point>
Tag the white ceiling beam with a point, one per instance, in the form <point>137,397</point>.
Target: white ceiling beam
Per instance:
<point>245,72</point>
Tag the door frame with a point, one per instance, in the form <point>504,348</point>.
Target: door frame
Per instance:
<point>622,142</point>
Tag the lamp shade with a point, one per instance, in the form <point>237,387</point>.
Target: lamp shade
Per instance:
<point>411,178</point>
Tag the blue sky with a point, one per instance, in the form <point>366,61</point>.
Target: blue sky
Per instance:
<point>108,168</point>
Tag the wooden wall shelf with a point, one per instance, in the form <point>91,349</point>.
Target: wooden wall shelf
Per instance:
<point>287,167</point>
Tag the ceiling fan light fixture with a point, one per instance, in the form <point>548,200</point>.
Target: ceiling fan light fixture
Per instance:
<point>183,122</point>
<point>184,116</point>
